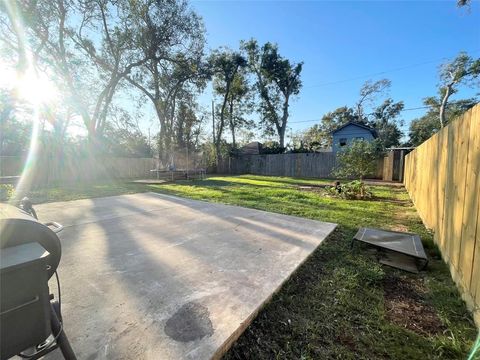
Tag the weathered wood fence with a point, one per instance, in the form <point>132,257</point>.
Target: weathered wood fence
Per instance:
<point>442,177</point>
<point>46,170</point>
<point>294,165</point>
<point>308,165</point>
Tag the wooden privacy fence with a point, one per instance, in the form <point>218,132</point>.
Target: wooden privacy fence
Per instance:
<point>308,165</point>
<point>294,165</point>
<point>442,177</point>
<point>45,170</point>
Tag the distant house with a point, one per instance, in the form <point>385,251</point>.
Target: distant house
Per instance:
<point>253,148</point>
<point>345,134</point>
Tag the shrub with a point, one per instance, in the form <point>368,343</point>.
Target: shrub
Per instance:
<point>352,190</point>
<point>358,159</point>
<point>272,147</point>
<point>6,192</point>
<point>356,190</point>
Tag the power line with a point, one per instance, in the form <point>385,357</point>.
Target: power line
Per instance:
<point>318,120</point>
<point>382,72</point>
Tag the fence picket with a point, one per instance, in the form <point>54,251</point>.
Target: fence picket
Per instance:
<point>442,177</point>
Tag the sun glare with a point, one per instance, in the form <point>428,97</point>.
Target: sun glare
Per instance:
<point>30,86</point>
<point>36,88</point>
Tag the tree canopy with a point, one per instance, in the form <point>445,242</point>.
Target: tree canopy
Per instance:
<point>114,61</point>
<point>226,69</point>
<point>278,80</point>
<point>427,125</point>
<point>463,70</point>
<point>384,117</point>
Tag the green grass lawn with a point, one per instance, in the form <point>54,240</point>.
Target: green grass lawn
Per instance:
<point>340,303</point>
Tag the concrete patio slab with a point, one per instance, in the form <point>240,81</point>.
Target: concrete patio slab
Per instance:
<point>150,276</point>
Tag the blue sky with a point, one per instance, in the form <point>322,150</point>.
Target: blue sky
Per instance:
<point>343,40</point>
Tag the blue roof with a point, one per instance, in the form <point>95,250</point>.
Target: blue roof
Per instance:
<point>372,130</point>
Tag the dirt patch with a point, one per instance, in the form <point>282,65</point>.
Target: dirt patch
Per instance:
<point>394,201</point>
<point>399,227</point>
<point>312,187</point>
<point>401,218</point>
<point>405,305</point>
<point>347,340</point>
<point>395,185</point>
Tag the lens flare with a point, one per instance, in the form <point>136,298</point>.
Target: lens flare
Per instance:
<point>35,88</point>
<point>30,87</point>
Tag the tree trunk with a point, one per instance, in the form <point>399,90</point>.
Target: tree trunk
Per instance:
<point>217,153</point>
<point>234,143</point>
<point>221,124</point>
<point>443,105</point>
<point>93,142</point>
<point>232,125</point>
<point>359,112</point>
<point>362,187</point>
<point>283,126</point>
<point>162,135</point>
<point>282,137</point>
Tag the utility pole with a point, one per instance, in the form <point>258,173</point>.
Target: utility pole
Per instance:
<point>187,160</point>
<point>213,130</point>
<point>213,121</point>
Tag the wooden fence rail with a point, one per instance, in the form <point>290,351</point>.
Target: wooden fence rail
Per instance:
<point>442,177</point>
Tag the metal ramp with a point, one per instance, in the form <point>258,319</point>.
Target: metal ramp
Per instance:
<point>398,249</point>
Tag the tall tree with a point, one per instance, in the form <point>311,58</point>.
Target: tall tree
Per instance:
<point>278,80</point>
<point>424,127</point>
<point>187,126</point>
<point>114,57</point>
<point>55,31</point>
<point>172,35</point>
<point>123,137</point>
<point>369,92</point>
<point>461,3</point>
<point>34,40</point>
<point>239,103</point>
<point>226,65</point>
<point>14,133</point>
<point>309,140</point>
<point>463,70</point>
<point>385,119</point>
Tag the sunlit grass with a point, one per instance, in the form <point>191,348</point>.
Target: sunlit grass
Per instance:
<point>83,190</point>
